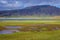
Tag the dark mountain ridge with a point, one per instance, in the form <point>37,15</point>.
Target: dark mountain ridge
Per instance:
<point>40,10</point>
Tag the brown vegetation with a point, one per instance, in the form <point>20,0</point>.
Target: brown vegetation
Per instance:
<point>2,28</point>
<point>40,27</point>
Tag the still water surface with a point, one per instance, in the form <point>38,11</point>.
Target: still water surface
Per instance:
<point>10,30</point>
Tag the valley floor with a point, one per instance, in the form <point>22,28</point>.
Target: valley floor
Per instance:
<point>31,35</point>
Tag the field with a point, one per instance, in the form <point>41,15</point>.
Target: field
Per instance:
<point>43,30</point>
<point>26,22</point>
<point>53,35</point>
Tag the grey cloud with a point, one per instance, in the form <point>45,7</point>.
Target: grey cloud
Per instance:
<point>25,3</point>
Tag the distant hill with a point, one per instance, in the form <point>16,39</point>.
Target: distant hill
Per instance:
<point>39,10</point>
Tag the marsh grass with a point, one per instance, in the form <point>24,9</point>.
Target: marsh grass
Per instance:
<point>2,28</point>
<point>25,34</point>
<point>51,35</point>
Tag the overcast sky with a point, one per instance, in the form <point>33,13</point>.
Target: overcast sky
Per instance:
<point>16,4</point>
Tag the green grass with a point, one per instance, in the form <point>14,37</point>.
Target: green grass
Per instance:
<point>51,35</point>
<point>24,22</point>
<point>44,35</point>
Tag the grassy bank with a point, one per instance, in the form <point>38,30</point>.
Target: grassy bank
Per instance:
<point>51,35</point>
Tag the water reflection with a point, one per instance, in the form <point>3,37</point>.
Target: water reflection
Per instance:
<point>10,29</point>
<point>32,28</point>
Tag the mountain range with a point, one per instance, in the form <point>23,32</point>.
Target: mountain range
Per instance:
<point>39,10</point>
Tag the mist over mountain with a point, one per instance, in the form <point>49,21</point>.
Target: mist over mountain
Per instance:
<point>39,10</point>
